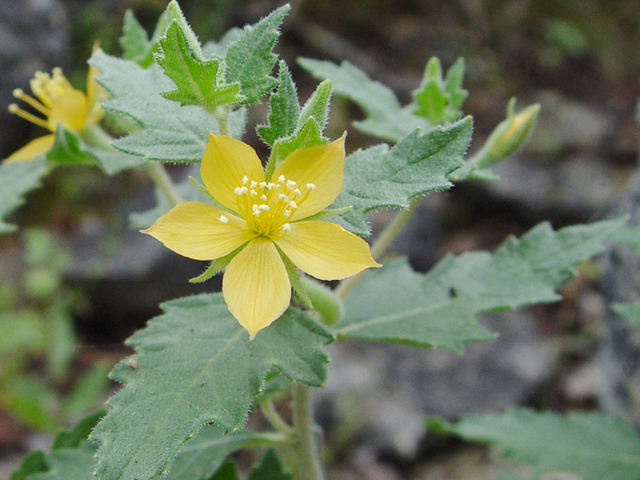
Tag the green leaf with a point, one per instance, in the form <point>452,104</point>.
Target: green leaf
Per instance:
<point>114,161</point>
<point>16,180</point>
<point>174,15</point>
<point>227,472</point>
<point>630,311</point>
<point>205,454</point>
<point>219,49</point>
<point>438,99</point>
<point>269,468</point>
<point>284,110</point>
<point>453,84</point>
<point>593,445</point>
<point>71,456</point>
<point>68,149</point>
<point>629,235</point>
<point>134,40</point>
<point>386,118</point>
<point>381,177</point>
<point>195,365</point>
<point>199,82</point>
<point>249,59</point>
<point>168,132</point>
<point>439,309</point>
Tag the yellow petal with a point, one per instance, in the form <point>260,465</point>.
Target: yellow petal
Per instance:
<point>321,165</point>
<point>325,250</point>
<point>194,230</point>
<point>224,164</point>
<point>33,148</point>
<point>256,286</point>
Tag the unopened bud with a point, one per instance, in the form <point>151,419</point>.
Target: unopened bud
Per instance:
<point>509,135</point>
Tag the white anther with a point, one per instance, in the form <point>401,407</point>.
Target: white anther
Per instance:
<point>293,204</point>
<point>271,185</point>
<point>253,184</point>
<point>262,184</point>
<point>240,190</point>
<point>245,180</point>
<point>263,208</point>
<point>287,213</point>
<point>253,193</point>
<point>283,196</point>
<point>286,227</point>
<point>263,198</point>
<point>297,192</point>
<point>291,184</point>
<point>223,219</point>
<point>311,186</point>
<point>281,179</point>
<point>255,211</point>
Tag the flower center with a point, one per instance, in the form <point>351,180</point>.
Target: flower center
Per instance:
<point>267,207</point>
<point>58,101</point>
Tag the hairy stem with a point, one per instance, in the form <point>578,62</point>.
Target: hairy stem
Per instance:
<point>381,244</point>
<point>308,466</point>
<point>163,181</point>
<point>222,116</point>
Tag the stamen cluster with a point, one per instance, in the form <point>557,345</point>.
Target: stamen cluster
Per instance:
<point>267,207</point>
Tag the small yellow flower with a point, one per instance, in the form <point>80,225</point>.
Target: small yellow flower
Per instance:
<point>59,102</point>
<point>263,217</point>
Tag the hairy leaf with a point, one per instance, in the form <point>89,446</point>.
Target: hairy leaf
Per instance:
<point>71,456</point>
<point>168,132</point>
<point>386,118</point>
<point>593,445</point>
<point>382,177</point>
<point>249,59</point>
<point>439,309</point>
<point>284,109</point>
<point>199,82</point>
<point>16,180</point>
<point>438,99</point>
<point>134,40</point>
<point>195,365</point>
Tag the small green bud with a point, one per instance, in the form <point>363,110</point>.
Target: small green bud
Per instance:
<point>508,136</point>
<point>324,301</point>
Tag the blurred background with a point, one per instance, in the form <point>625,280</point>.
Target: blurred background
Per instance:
<point>76,281</point>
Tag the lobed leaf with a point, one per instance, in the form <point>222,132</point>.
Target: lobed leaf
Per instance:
<point>249,59</point>
<point>386,118</point>
<point>195,365</point>
<point>593,445</point>
<point>198,82</point>
<point>381,177</point>
<point>168,132</point>
<point>16,180</point>
<point>439,309</point>
<point>71,456</point>
<point>283,109</point>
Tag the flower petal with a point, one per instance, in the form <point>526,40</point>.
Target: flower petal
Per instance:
<point>33,148</point>
<point>321,165</point>
<point>224,163</point>
<point>325,250</point>
<point>194,230</point>
<point>256,286</point>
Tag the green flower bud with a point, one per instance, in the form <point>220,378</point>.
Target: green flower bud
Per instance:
<point>508,136</point>
<point>325,302</point>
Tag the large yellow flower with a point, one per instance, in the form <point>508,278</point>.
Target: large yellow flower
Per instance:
<point>266,218</point>
<point>60,103</point>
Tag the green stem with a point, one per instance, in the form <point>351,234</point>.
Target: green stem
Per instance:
<point>222,116</point>
<point>381,244</point>
<point>163,181</point>
<point>97,137</point>
<point>270,413</point>
<point>308,466</point>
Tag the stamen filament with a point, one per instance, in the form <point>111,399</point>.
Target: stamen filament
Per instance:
<point>20,95</point>
<point>13,108</point>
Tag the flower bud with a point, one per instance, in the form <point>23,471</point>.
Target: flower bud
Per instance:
<point>508,136</point>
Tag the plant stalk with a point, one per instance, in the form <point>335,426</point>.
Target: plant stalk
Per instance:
<point>308,465</point>
<point>163,181</point>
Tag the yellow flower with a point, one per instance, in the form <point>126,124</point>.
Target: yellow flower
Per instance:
<point>59,102</point>
<point>265,218</point>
